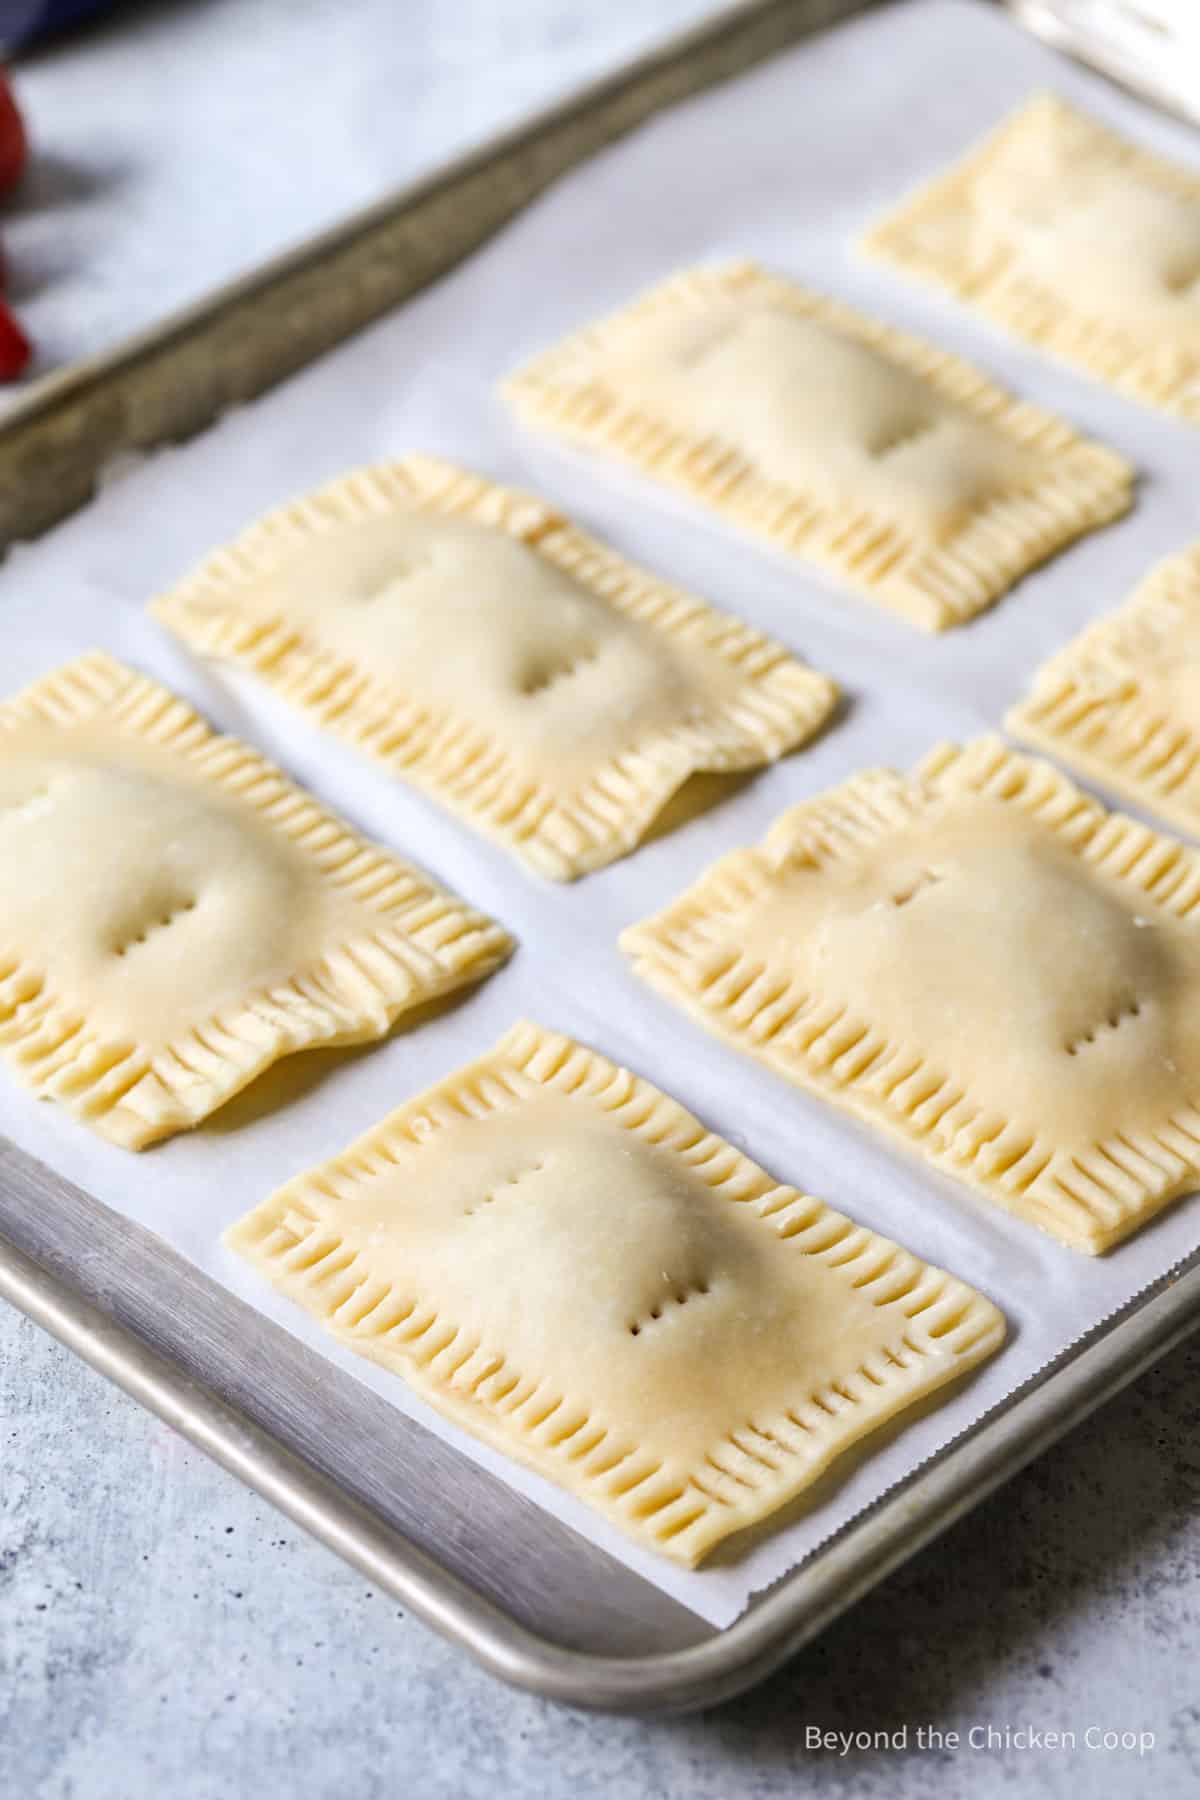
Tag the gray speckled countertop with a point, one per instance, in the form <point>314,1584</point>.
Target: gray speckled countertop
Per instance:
<point>162,1632</point>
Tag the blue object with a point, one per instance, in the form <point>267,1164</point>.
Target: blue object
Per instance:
<point>23,20</point>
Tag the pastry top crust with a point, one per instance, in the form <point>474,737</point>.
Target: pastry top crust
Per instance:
<point>176,914</point>
<point>1071,236</point>
<point>1122,700</point>
<point>477,643</point>
<point>900,467</point>
<point>978,956</point>
<point>562,1259</point>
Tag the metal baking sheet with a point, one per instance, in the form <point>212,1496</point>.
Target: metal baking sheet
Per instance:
<point>549,1608</point>
<point>163,384</point>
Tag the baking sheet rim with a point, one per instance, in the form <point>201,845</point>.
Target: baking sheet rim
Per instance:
<point>807,1599</point>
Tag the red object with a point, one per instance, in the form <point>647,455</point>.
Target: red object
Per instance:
<point>15,348</point>
<point>14,145</point>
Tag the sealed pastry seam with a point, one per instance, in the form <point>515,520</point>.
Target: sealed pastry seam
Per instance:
<point>540,744</point>
<point>1122,702</point>
<point>1018,258</point>
<point>149,865</point>
<point>978,958</point>
<point>949,490</point>
<point>559,1258</point>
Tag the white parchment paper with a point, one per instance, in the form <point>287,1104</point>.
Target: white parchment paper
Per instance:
<point>788,164</point>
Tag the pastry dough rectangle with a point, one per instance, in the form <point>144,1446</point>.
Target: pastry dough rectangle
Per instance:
<point>901,468</point>
<point>558,1257</point>
<point>1122,702</point>
<point>1074,238</point>
<point>978,958</point>
<point>476,643</point>
<point>175,915</point>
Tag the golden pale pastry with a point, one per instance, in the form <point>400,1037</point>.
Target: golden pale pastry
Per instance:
<point>477,644</point>
<point>1074,238</point>
<point>978,958</point>
<point>561,1260</point>
<point>1122,702</point>
<point>175,915</point>
<point>901,468</point>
